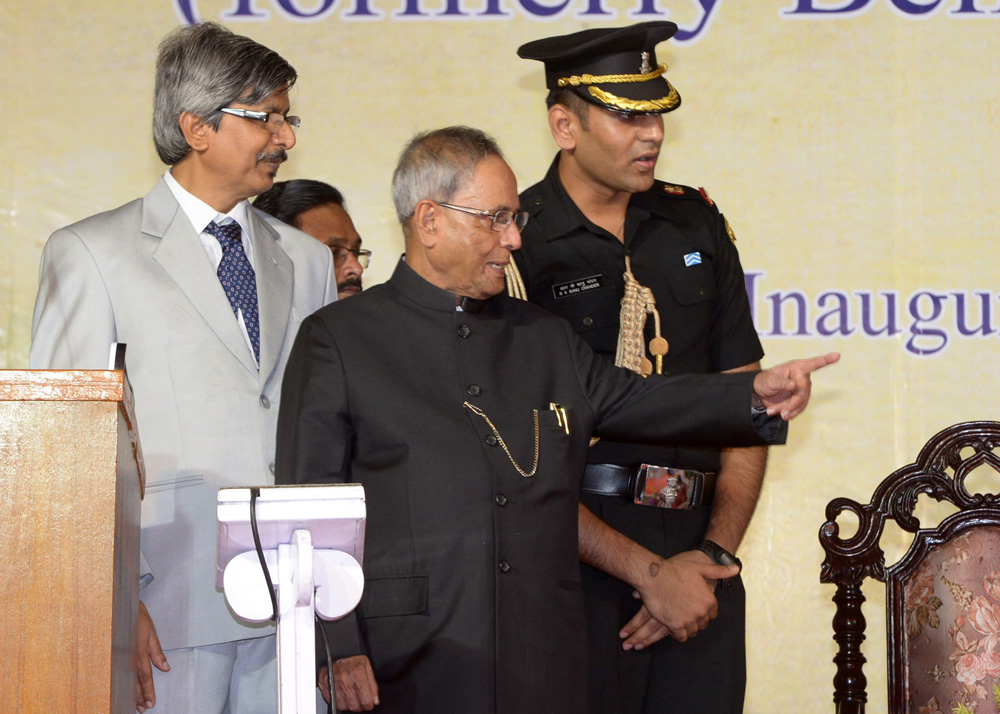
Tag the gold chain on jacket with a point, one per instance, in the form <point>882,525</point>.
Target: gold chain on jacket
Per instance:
<point>534,467</point>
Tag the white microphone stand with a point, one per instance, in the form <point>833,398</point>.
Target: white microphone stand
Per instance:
<point>312,538</point>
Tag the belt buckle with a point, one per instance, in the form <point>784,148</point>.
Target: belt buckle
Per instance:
<point>664,487</point>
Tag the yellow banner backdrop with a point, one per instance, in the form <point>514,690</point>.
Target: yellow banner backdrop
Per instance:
<point>852,144</point>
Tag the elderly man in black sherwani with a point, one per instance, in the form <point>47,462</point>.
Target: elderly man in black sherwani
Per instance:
<point>467,415</point>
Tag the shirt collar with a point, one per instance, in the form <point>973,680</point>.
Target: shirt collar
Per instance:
<point>200,213</point>
<point>563,217</point>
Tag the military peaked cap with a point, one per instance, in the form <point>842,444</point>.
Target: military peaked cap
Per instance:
<point>614,68</point>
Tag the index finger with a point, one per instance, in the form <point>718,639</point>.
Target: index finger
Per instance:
<point>811,364</point>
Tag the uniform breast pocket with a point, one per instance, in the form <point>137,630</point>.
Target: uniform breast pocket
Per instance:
<point>693,285</point>
<point>589,311</point>
<point>593,314</point>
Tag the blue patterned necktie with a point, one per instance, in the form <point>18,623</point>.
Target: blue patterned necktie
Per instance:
<point>238,279</point>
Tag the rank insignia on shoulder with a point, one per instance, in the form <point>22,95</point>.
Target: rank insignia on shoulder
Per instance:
<point>673,190</point>
<point>704,194</point>
<point>729,230</point>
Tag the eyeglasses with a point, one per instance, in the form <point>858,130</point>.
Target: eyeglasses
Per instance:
<point>501,219</point>
<point>272,120</point>
<point>363,255</point>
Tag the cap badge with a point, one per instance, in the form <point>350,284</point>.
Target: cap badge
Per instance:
<point>645,67</point>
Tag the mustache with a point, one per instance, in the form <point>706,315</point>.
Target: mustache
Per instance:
<point>280,155</point>
<point>350,282</point>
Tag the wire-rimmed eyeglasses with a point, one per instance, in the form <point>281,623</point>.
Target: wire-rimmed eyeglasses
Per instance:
<point>501,219</point>
<point>274,121</point>
<point>363,255</point>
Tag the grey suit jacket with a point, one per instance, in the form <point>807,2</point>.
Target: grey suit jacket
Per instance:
<point>206,416</point>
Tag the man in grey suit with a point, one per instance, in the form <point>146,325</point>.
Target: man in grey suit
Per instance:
<point>208,297</point>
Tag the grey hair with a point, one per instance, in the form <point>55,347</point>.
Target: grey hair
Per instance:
<point>202,68</point>
<point>436,164</point>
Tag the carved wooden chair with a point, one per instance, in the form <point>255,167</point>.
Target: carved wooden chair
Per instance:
<point>942,596</point>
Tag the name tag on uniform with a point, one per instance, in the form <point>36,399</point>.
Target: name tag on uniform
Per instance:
<point>575,287</point>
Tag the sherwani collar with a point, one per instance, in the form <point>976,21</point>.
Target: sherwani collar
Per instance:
<point>408,282</point>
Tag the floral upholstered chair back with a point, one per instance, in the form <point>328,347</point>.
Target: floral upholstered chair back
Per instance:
<point>942,596</point>
<point>951,613</point>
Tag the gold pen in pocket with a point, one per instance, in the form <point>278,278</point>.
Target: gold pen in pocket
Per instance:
<point>562,418</point>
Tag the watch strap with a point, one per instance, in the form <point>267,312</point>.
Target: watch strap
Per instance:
<point>721,556</point>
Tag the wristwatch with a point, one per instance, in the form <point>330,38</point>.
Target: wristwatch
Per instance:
<point>721,556</point>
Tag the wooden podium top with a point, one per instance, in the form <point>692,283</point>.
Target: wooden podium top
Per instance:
<point>75,385</point>
<point>64,385</point>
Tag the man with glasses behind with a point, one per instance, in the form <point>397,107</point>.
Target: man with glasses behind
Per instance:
<point>208,297</point>
<point>317,208</point>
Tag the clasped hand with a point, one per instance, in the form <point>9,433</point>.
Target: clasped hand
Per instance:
<point>678,599</point>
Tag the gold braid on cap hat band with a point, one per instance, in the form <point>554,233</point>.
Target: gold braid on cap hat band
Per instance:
<point>577,80</point>
<point>671,101</point>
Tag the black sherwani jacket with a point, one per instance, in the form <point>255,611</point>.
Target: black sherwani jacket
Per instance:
<point>472,597</point>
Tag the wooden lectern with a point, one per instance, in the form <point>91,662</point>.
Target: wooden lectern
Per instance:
<point>71,480</point>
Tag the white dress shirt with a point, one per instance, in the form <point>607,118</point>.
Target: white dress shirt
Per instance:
<point>201,214</point>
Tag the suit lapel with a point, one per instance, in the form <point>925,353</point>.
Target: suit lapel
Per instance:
<point>274,292</point>
<point>182,256</point>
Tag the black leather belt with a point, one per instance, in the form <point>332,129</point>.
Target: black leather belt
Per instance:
<point>649,485</point>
